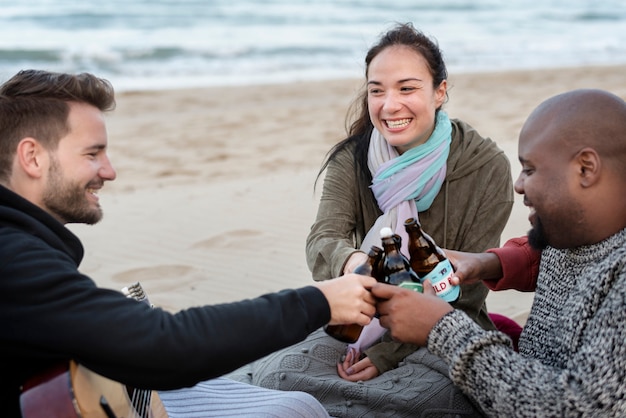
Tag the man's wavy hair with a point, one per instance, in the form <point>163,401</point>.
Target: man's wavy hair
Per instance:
<point>35,103</point>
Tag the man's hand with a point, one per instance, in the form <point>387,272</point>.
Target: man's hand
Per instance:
<point>409,315</point>
<point>355,369</point>
<point>349,298</point>
<point>473,267</point>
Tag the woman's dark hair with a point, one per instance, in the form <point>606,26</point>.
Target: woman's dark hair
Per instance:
<point>359,131</point>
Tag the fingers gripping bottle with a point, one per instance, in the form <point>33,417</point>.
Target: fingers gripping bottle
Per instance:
<point>396,267</point>
<point>430,262</point>
<point>350,333</point>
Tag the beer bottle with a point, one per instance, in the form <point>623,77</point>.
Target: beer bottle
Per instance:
<point>350,333</point>
<point>430,262</point>
<point>396,267</point>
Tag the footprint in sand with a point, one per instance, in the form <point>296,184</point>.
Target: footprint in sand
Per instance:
<point>231,239</point>
<point>159,276</point>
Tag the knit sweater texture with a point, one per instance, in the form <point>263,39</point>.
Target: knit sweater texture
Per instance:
<point>572,358</point>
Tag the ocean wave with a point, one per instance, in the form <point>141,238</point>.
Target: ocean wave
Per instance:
<point>168,42</point>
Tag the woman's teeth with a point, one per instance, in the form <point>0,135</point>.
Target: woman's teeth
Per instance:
<point>398,123</point>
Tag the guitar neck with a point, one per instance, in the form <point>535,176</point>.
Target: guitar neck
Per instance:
<point>135,291</point>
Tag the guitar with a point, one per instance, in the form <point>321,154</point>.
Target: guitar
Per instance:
<point>73,391</point>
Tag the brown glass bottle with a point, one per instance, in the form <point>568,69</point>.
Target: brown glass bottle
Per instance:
<point>350,333</point>
<point>423,252</point>
<point>429,261</point>
<point>396,266</point>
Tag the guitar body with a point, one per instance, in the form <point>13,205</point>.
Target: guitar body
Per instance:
<point>74,391</point>
<point>49,394</point>
<point>80,393</point>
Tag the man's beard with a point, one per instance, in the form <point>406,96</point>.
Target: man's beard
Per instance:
<point>537,236</point>
<point>67,201</point>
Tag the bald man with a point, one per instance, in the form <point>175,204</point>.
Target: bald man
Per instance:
<point>572,355</point>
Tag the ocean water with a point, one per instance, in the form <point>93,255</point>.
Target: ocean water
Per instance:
<point>155,44</point>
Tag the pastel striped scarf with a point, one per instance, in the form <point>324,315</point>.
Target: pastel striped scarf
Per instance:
<point>406,184</point>
<point>403,185</point>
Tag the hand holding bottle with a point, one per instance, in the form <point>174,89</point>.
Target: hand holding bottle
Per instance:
<point>430,262</point>
<point>349,299</point>
<point>355,260</point>
<point>350,333</point>
<point>409,315</point>
<point>473,267</point>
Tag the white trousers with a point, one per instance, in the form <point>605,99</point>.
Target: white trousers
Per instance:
<point>223,397</point>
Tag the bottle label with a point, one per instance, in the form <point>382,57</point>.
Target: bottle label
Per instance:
<point>418,287</point>
<point>440,278</point>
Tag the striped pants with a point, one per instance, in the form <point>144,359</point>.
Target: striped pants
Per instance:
<point>223,397</point>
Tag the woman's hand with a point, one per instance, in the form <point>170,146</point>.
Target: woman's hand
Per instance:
<point>355,260</point>
<point>353,369</point>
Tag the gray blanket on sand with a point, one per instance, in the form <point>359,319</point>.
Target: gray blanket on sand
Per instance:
<point>418,387</point>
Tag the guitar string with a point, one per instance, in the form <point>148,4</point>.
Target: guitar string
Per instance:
<point>141,402</point>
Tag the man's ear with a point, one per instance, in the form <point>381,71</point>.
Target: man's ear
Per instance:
<point>589,165</point>
<point>32,157</point>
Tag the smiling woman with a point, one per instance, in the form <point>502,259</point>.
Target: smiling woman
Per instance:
<point>404,158</point>
<point>403,96</point>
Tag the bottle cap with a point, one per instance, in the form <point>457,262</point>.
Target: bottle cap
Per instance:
<point>386,232</point>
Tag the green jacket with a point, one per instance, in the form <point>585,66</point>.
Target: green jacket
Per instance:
<point>469,214</point>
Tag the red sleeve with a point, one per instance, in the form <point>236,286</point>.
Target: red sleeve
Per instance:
<point>520,266</point>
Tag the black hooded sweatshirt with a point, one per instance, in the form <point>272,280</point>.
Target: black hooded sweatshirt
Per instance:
<point>50,313</point>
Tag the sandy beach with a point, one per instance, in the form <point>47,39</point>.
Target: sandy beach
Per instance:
<point>215,189</point>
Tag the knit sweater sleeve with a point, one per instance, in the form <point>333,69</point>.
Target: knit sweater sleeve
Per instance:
<point>508,384</point>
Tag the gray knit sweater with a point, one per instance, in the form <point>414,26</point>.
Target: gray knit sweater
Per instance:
<point>572,359</point>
